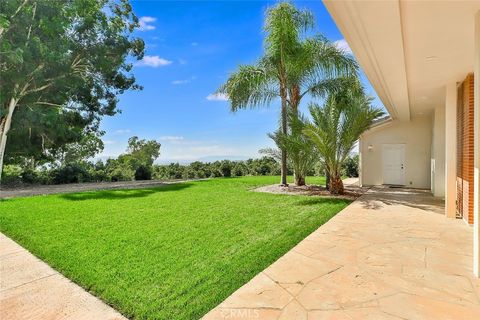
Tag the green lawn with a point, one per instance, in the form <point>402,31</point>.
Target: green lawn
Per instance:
<point>165,253</point>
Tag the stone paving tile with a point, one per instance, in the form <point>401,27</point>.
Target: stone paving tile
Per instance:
<point>8,246</point>
<point>391,254</point>
<point>260,292</point>
<point>344,288</point>
<point>31,290</point>
<point>17,269</point>
<point>293,311</point>
<point>297,268</point>
<point>407,306</point>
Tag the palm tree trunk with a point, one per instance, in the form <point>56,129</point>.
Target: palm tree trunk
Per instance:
<point>327,179</point>
<point>283,180</point>
<point>299,179</point>
<point>336,185</point>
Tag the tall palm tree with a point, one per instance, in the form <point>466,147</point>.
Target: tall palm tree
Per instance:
<point>336,127</point>
<point>291,67</point>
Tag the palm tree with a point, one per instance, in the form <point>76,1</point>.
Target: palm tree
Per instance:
<point>336,127</point>
<point>301,150</point>
<point>290,68</point>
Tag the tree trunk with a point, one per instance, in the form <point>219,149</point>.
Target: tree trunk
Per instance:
<point>4,131</point>
<point>283,181</point>
<point>327,179</point>
<point>299,179</point>
<point>336,185</point>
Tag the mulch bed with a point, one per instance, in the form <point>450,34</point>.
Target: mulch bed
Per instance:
<point>351,192</point>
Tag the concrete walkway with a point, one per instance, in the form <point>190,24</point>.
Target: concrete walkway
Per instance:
<point>30,290</point>
<point>389,255</point>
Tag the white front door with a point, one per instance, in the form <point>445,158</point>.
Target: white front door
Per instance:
<point>394,164</point>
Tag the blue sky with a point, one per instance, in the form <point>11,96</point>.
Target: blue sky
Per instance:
<point>191,47</point>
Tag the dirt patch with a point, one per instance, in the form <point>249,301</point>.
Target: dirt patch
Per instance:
<point>352,192</point>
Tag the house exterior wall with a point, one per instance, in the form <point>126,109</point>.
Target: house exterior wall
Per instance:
<point>438,152</point>
<point>465,149</point>
<point>417,137</point>
<point>451,101</point>
<point>476,139</point>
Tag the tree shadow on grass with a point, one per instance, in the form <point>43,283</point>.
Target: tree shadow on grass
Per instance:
<point>319,201</point>
<point>123,194</point>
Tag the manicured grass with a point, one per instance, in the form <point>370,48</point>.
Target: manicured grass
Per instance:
<point>165,253</point>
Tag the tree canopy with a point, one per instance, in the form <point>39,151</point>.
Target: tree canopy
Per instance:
<point>62,65</point>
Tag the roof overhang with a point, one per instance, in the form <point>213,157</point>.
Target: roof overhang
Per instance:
<point>409,50</point>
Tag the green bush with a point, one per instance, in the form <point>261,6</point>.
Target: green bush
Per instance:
<point>30,176</point>
<point>188,173</point>
<point>70,173</point>
<point>44,176</point>
<point>12,174</point>
<point>240,169</point>
<point>319,169</point>
<point>122,174</point>
<point>350,166</point>
<point>143,172</point>
<point>226,168</point>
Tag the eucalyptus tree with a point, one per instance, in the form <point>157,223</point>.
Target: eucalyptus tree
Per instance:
<point>292,67</point>
<point>67,56</point>
<point>336,127</point>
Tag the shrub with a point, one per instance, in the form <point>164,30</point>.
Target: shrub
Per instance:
<point>12,174</point>
<point>45,176</point>
<point>350,166</point>
<point>226,168</point>
<point>143,172</point>
<point>240,169</point>
<point>319,169</point>
<point>121,174</point>
<point>188,173</point>
<point>30,176</point>
<point>70,173</point>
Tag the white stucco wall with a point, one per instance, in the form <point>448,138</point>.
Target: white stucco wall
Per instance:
<point>417,137</point>
<point>438,152</point>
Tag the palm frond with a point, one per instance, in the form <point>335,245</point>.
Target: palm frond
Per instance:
<point>301,150</point>
<point>338,124</point>
<point>250,87</point>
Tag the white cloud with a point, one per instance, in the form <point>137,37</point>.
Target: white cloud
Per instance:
<point>171,138</point>
<point>145,23</point>
<point>194,44</point>
<point>122,131</point>
<point>153,61</point>
<point>343,45</point>
<point>181,81</point>
<point>185,81</point>
<point>109,142</point>
<point>217,97</point>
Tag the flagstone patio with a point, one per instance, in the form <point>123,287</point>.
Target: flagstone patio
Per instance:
<point>391,254</point>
